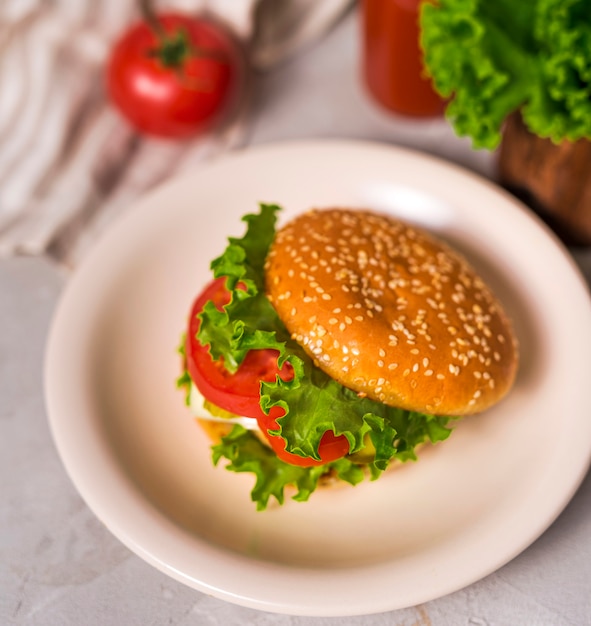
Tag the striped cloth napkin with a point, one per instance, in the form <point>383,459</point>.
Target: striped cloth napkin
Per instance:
<point>69,163</point>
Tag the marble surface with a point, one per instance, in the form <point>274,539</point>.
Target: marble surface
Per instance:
<point>59,565</point>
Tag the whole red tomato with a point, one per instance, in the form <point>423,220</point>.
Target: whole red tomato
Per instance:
<point>174,77</point>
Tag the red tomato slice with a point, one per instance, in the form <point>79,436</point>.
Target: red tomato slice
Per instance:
<point>239,393</point>
<point>331,447</point>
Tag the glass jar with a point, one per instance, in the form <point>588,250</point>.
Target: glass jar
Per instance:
<point>392,64</point>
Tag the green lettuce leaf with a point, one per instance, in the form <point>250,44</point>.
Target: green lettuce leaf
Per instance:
<point>313,402</point>
<point>249,321</point>
<point>184,381</point>
<point>561,107</point>
<point>494,58</point>
<point>246,453</point>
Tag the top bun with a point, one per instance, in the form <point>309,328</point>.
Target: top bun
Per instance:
<point>391,312</point>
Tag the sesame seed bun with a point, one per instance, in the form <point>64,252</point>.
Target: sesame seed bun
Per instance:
<point>391,312</point>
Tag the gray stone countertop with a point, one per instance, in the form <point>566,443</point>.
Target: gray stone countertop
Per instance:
<point>59,565</point>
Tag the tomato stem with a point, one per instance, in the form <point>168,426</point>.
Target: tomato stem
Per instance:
<point>174,48</point>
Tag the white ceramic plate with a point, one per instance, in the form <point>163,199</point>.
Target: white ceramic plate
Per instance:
<point>422,531</point>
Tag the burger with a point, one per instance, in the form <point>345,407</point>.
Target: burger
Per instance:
<point>336,346</point>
